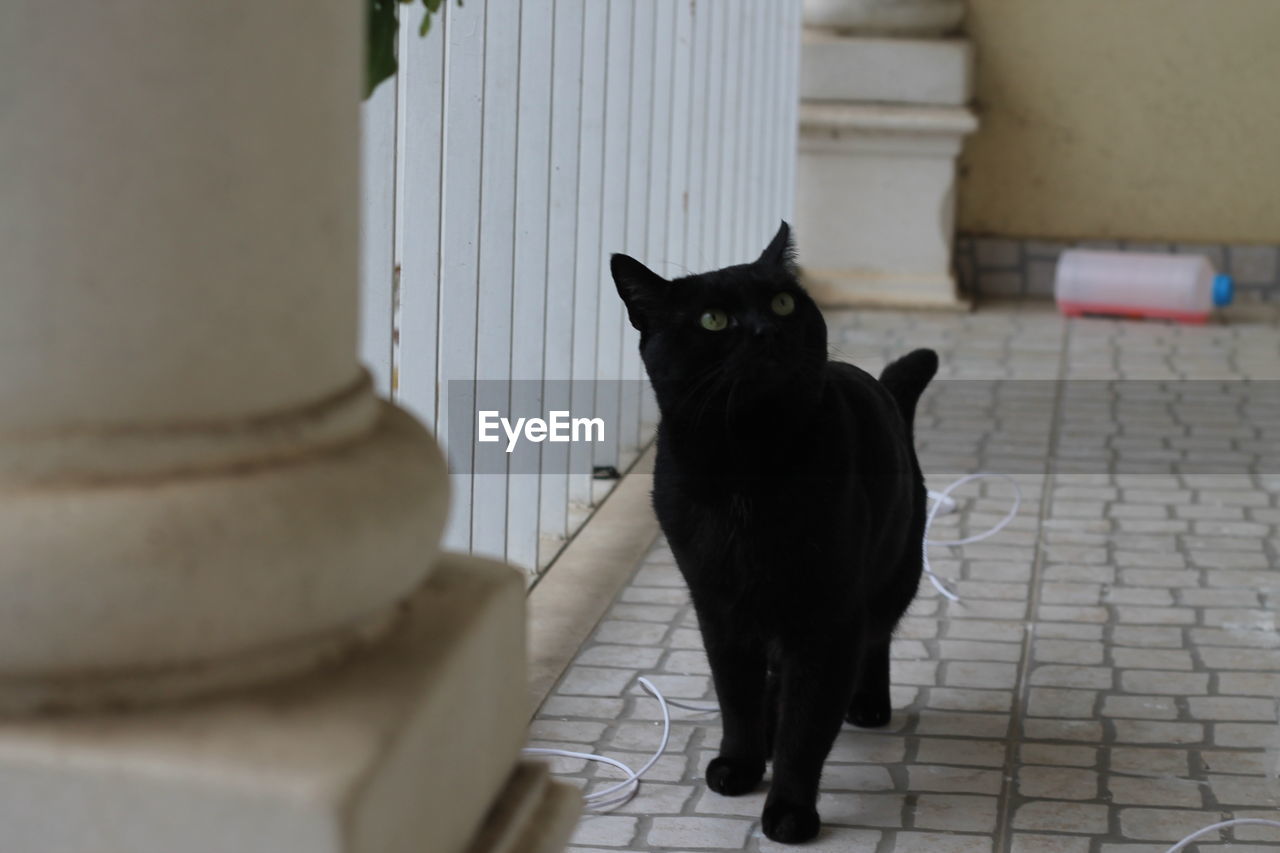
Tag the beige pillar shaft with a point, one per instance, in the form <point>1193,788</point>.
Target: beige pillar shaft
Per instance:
<point>179,232</point>
<point>197,487</point>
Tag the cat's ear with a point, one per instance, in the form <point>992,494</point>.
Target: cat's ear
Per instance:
<point>780,251</point>
<point>639,287</point>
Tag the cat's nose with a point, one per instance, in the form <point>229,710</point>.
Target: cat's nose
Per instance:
<point>764,330</point>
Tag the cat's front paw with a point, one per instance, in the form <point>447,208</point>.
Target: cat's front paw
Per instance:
<point>734,776</point>
<point>790,823</point>
<point>869,713</point>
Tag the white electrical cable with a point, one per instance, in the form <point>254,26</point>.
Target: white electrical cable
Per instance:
<point>1256,821</point>
<point>943,499</point>
<point>622,792</point>
<point>948,503</point>
<point>690,706</point>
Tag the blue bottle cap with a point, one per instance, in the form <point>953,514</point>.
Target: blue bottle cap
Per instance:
<point>1224,290</point>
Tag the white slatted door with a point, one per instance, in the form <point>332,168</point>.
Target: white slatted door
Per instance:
<point>638,192</point>
<point>523,142</point>
<point>713,152</point>
<point>494,320</point>
<point>460,254</point>
<point>587,278</point>
<point>679,142</point>
<point>377,232</point>
<point>697,180</point>
<point>562,254</point>
<point>420,199</point>
<point>529,276</point>
<point>667,115</point>
<point>610,319</point>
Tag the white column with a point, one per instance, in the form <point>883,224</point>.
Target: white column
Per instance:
<point>884,87</point>
<point>201,499</point>
<point>200,489</point>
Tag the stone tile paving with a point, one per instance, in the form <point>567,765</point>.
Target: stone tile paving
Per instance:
<point>1108,682</point>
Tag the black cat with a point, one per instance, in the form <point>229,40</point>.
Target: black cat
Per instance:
<point>788,488</point>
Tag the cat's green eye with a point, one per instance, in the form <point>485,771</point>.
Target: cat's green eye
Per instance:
<point>714,321</point>
<point>783,304</point>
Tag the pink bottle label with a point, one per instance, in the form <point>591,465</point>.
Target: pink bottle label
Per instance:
<point>1077,309</point>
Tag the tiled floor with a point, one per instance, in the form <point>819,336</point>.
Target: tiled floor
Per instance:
<point>1108,681</point>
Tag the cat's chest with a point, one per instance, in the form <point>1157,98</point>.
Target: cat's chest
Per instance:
<point>749,529</point>
<point>741,512</point>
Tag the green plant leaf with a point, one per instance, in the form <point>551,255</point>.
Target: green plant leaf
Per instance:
<point>380,38</point>
<point>432,7</point>
<point>380,59</point>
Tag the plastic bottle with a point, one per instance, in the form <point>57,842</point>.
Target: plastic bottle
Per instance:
<point>1132,284</point>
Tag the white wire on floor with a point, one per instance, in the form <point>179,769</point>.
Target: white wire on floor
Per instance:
<point>943,500</point>
<point>616,795</point>
<point>621,792</point>
<point>1256,821</point>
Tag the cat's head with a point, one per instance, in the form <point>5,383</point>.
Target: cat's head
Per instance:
<point>748,333</point>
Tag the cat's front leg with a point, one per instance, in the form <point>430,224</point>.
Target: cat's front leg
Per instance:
<point>737,661</point>
<point>870,707</point>
<point>814,690</point>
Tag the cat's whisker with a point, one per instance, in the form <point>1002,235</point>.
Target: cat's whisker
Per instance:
<point>832,349</point>
<point>704,383</point>
<point>680,267</point>
<point>714,394</point>
<point>700,384</point>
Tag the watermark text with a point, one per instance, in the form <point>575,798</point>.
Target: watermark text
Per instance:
<point>558,426</point>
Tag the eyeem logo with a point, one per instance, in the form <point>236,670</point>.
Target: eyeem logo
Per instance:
<point>558,427</point>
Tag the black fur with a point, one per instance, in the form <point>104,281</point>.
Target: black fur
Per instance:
<point>788,488</point>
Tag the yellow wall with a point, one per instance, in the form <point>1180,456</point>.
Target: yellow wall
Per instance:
<point>1138,119</point>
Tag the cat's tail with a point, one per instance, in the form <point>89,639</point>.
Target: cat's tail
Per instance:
<point>906,379</point>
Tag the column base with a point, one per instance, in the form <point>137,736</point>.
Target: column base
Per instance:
<point>875,202</point>
<point>400,750</point>
<point>841,289</point>
<point>904,71</point>
<point>135,591</point>
<point>533,815</point>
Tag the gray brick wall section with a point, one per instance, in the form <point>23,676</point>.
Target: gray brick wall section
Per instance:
<point>1001,268</point>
